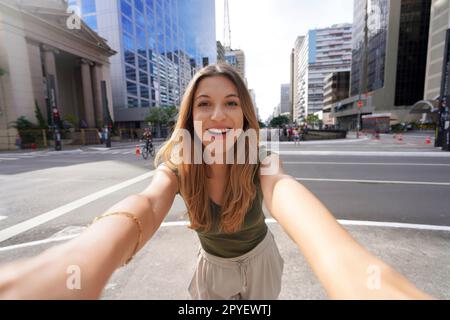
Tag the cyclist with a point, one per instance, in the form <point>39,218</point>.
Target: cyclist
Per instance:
<point>148,137</point>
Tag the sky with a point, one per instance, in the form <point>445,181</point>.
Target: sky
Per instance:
<point>266,30</point>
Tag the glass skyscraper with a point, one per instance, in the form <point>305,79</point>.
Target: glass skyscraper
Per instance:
<point>160,44</point>
<point>411,54</point>
<point>373,14</point>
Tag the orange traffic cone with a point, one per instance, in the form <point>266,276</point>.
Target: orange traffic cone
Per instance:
<point>428,140</point>
<point>138,151</point>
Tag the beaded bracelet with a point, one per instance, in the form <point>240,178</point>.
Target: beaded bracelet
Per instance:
<point>138,224</point>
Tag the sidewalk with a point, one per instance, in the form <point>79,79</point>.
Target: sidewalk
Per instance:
<point>164,268</point>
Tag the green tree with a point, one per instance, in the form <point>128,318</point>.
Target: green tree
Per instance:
<point>312,119</point>
<point>261,124</point>
<point>157,117</point>
<point>279,121</point>
<point>172,114</point>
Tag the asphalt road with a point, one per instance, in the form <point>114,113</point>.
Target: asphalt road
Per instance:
<point>359,180</point>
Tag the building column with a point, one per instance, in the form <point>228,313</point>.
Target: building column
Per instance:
<point>88,98</point>
<point>97,77</point>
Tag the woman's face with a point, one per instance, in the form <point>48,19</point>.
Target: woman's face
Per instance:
<point>218,108</point>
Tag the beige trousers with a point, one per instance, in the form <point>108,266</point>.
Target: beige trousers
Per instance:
<point>255,275</point>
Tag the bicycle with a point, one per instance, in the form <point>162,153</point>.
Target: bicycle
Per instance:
<point>147,149</point>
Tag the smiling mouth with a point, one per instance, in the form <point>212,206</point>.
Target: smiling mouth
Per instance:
<point>219,132</point>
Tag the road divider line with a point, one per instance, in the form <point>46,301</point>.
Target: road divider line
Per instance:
<point>268,220</point>
<point>370,163</point>
<point>377,181</point>
<point>19,228</point>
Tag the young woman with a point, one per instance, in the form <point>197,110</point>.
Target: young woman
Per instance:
<point>238,258</point>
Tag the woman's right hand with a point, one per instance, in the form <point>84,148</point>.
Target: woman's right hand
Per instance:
<point>54,274</point>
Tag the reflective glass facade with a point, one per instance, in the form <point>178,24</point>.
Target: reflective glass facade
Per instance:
<point>161,43</point>
<point>412,51</point>
<point>373,14</point>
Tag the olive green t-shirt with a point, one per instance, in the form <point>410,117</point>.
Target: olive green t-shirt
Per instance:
<point>252,232</point>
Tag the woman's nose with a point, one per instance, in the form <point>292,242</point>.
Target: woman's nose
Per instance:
<point>218,114</point>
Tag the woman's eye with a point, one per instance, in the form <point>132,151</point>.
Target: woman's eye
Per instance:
<point>203,104</point>
<point>232,103</point>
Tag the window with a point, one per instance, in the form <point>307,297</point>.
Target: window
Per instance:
<point>130,57</point>
<point>139,5</point>
<point>132,102</point>
<point>88,6</point>
<point>141,38</point>
<point>130,72</point>
<point>142,64</point>
<point>145,103</point>
<point>127,25</point>
<point>144,92</point>
<point>126,8</point>
<point>128,42</point>
<point>140,20</point>
<point>143,77</point>
<point>132,88</point>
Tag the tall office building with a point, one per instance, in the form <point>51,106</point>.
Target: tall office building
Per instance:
<point>439,24</point>
<point>284,99</point>
<point>390,40</point>
<point>160,44</point>
<point>297,80</point>
<point>236,58</point>
<point>320,52</point>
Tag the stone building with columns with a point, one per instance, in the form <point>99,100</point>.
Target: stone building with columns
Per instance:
<point>39,41</point>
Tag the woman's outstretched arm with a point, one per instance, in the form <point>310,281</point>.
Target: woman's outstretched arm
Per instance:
<point>93,256</point>
<point>345,269</point>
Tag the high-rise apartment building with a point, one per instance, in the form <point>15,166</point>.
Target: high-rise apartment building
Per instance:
<point>390,40</point>
<point>160,44</point>
<point>439,24</point>
<point>284,98</point>
<point>320,52</point>
<point>236,58</point>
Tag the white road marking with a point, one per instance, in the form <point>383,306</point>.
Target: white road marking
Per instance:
<point>19,228</point>
<point>370,163</point>
<point>428,154</point>
<point>269,220</point>
<point>3,218</point>
<point>9,159</point>
<point>377,181</point>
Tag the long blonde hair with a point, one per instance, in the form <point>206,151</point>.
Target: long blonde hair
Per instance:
<point>240,188</point>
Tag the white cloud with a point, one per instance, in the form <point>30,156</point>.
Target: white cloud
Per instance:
<point>266,30</point>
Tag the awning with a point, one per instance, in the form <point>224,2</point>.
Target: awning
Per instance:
<point>425,106</point>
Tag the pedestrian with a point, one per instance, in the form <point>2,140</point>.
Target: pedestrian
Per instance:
<point>238,257</point>
<point>100,135</point>
<point>296,136</point>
